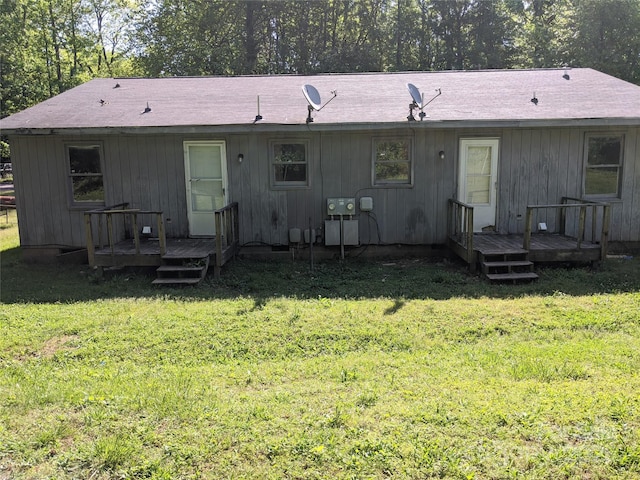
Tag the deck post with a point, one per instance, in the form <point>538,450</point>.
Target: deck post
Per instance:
<point>449,215</point>
<point>236,229</point>
<point>110,232</point>
<point>562,217</point>
<point>526,245</point>
<point>581,224</point>
<point>162,238</point>
<point>218,263</point>
<point>594,222</point>
<point>100,236</point>
<point>606,219</point>
<point>91,252</point>
<point>469,235</point>
<point>469,230</point>
<point>136,233</point>
<point>229,227</point>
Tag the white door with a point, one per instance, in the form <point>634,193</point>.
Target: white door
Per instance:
<point>477,182</point>
<point>206,176</point>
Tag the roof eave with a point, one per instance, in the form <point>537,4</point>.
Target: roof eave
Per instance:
<point>324,127</point>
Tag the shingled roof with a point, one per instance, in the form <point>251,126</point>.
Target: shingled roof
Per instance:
<point>369,100</point>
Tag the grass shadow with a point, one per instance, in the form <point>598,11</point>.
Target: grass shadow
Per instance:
<point>400,280</point>
<point>397,305</point>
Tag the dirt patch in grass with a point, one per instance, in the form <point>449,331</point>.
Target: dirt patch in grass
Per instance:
<point>57,344</point>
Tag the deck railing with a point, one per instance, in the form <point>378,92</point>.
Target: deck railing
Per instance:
<point>227,234</point>
<point>598,212</point>
<point>460,225</point>
<point>122,214</point>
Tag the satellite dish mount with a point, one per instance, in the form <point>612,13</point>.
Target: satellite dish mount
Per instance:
<point>418,102</point>
<point>313,99</point>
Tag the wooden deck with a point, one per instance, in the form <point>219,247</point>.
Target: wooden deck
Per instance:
<point>124,252</point>
<point>545,247</point>
<point>512,256</point>
<point>178,257</point>
<point>504,258</point>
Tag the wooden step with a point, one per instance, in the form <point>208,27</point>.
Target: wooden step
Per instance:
<point>181,271</point>
<point>508,263</point>
<point>177,281</point>
<point>505,277</point>
<point>499,251</point>
<point>179,268</point>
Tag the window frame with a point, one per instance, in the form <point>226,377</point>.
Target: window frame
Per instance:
<point>410,161</point>
<point>586,166</point>
<point>293,184</point>
<point>70,176</point>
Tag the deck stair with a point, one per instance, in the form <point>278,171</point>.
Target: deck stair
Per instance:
<point>181,271</point>
<point>507,265</point>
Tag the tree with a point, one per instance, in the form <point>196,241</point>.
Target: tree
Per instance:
<point>543,32</point>
<point>48,46</point>
<point>108,30</point>
<point>607,37</point>
<point>22,73</point>
<point>192,37</point>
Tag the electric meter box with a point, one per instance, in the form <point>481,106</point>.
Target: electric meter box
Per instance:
<point>332,232</point>
<point>350,232</point>
<point>341,206</point>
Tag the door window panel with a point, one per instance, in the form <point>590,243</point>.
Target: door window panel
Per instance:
<point>478,174</point>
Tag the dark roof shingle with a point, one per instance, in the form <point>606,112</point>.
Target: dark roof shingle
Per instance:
<point>362,99</point>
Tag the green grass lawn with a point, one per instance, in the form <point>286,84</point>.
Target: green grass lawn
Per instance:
<point>353,370</point>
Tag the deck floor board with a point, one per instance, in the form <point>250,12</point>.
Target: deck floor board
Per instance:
<point>495,242</point>
<point>176,248</point>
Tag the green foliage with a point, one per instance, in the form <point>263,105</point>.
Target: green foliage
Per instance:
<point>48,46</point>
<point>5,150</point>
<point>606,37</point>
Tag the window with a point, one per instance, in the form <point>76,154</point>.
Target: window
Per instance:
<point>85,174</point>
<point>392,162</point>
<point>603,165</point>
<point>289,160</point>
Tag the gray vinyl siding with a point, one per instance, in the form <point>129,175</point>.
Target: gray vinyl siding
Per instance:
<point>631,187</point>
<point>540,166</point>
<point>537,166</point>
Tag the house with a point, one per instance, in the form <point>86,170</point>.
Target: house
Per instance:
<point>414,159</point>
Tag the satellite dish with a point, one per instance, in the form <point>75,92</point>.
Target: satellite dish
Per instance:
<point>313,96</point>
<point>415,94</point>
<point>418,101</point>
